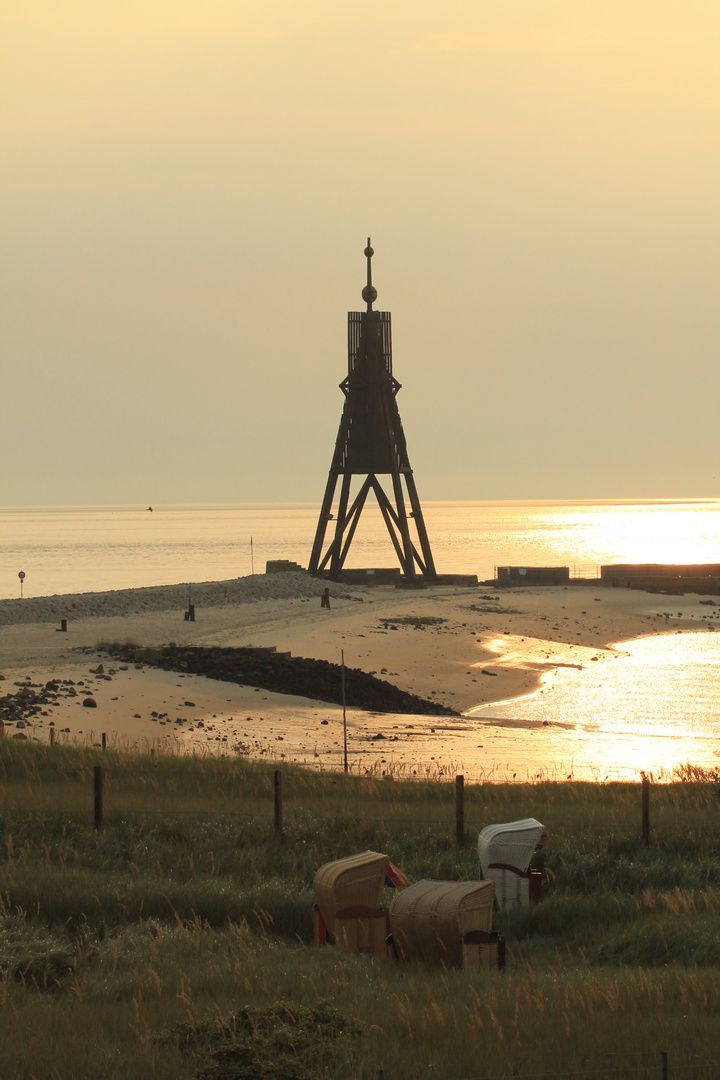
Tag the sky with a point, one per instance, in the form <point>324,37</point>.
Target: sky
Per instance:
<point>187,188</point>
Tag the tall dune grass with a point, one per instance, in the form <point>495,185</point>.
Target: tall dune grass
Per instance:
<point>185,908</point>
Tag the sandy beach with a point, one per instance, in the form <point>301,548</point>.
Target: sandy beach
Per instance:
<point>461,647</point>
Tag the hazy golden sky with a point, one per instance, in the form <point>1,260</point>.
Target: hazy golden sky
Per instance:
<point>186,192</point>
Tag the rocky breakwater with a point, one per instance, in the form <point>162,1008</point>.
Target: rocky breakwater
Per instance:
<point>286,674</point>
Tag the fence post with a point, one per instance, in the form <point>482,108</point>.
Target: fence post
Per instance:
<point>460,808</point>
<point>98,785</point>
<point>104,741</point>
<point>342,682</point>
<point>664,1064</point>
<point>52,736</point>
<point>646,811</point>
<point>278,803</point>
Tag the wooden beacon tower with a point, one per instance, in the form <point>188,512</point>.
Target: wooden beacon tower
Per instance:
<point>371,443</point>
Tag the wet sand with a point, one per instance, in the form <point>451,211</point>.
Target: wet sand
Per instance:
<point>460,647</point>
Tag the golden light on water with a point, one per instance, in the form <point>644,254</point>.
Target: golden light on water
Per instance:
<point>650,706</point>
<point>656,533</point>
<point>123,547</point>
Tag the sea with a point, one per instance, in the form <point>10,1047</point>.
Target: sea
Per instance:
<point>654,708</point>
<point>63,549</point>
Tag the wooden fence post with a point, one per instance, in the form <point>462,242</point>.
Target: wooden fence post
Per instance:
<point>52,736</point>
<point>98,784</point>
<point>664,1064</point>
<point>278,803</point>
<point>342,685</point>
<point>460,808</point>
<point>646,811</point>
<point>104,741</point>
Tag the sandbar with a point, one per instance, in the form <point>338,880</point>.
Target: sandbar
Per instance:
<point>462,647</point>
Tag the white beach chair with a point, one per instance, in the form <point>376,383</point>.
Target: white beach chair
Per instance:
<point>505,852</point>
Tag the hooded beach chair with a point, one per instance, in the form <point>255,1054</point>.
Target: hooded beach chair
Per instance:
<point>505,852</point>
<point>448,923</point>
<point>348,902</point>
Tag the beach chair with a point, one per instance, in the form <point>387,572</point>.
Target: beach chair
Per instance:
<point>505,852</point>
<point>448,923</point>
<point>348,902</point>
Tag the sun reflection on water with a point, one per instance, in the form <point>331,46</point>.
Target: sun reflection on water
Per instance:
<point>651,705</point>
<point>659,533</point>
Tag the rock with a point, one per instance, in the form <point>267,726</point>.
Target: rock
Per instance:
<point>374,738</point>
<point>89,703</point>
<point>317,679</point>
<point>19,735</point>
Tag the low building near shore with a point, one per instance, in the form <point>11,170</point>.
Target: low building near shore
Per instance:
<point>532,575</point>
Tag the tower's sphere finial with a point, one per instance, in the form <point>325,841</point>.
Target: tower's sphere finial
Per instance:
<point>369,293</point>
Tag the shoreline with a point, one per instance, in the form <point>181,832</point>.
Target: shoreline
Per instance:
<point>467,648</point>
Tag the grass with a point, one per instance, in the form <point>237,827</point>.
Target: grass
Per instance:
<point>176,941</point>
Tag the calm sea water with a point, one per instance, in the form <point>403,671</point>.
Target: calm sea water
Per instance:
<point>77,549</point>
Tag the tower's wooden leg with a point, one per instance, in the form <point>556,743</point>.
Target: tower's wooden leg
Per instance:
<point>335,564</point>
<point>408,562</point>
<point>420,525</point>
<point>323,520</point>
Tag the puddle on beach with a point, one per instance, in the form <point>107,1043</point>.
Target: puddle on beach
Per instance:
<point>651,705</point>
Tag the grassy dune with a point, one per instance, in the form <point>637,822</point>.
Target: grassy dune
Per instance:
<point>176,942</point>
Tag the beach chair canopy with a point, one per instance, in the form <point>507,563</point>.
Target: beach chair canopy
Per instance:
<point>505,852</point>
<point>513,843</point>
<point>428,919</point>
<point>356,881</point>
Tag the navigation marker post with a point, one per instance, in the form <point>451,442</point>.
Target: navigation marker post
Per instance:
<point>21,575</point>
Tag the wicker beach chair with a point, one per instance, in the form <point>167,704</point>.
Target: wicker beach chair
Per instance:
<point>505,852</point>
<point>447,922</point>
<point>348,903</point>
